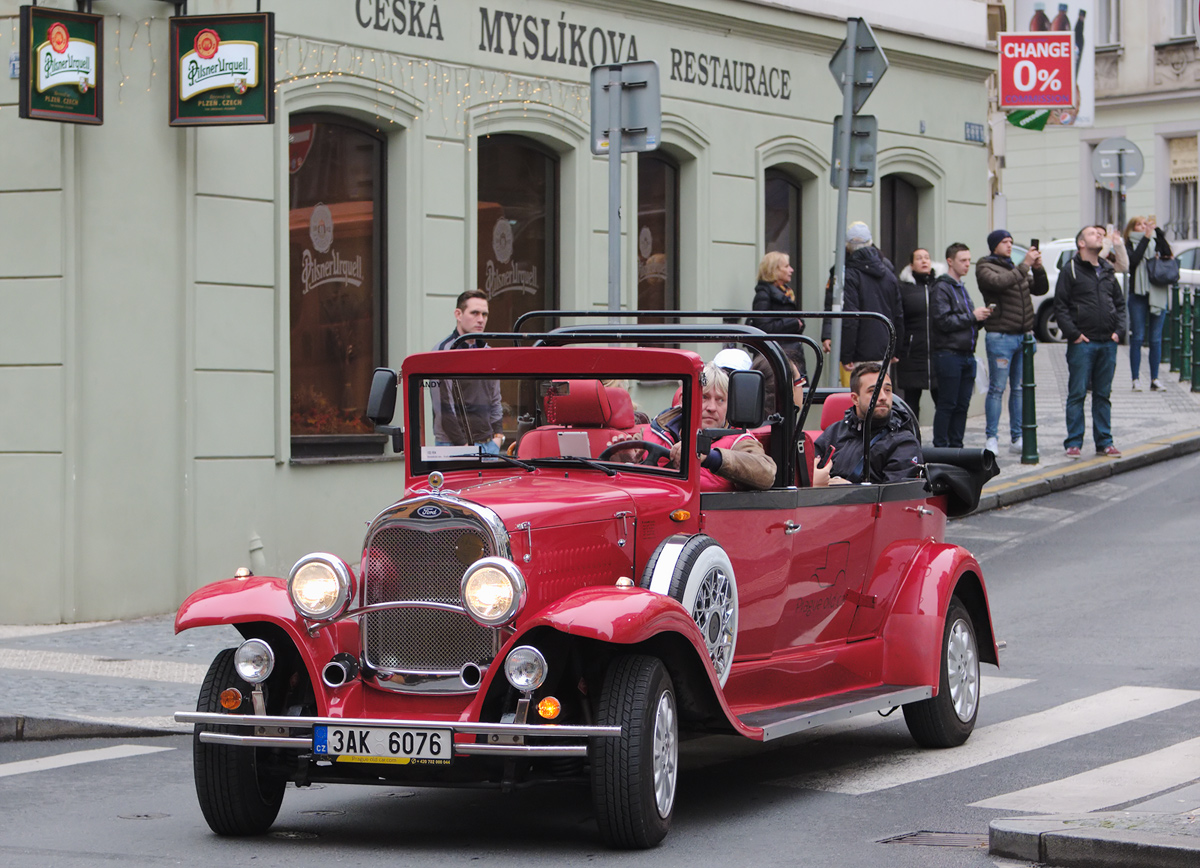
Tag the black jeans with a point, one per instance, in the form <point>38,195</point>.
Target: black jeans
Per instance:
<point>956,380</point>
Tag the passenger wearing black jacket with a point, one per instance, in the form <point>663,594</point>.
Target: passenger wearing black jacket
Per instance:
<point>1090,308</point>
<point>895,449</point>
<point>955,328</point>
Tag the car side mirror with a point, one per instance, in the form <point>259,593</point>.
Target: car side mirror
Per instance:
<point>744,400</point>
<point>381,406</point>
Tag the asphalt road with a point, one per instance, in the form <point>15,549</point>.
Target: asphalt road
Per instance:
<point>1094,590</point>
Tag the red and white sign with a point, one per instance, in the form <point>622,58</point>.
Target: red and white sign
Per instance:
<point>1036,70</point>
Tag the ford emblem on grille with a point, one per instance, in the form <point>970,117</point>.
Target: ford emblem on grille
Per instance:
<point>429,511</point>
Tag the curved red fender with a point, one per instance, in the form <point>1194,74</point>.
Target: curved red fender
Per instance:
<point>913,632</point>
<point>259,599</point>
<point>627,617</point>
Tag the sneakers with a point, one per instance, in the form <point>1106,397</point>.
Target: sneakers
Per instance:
<point>1015,447</point>
<point>992,445</point>
<point>1109,451</point>
<point>1137,385</point>
<point>1073,452</point>
<point>1157,386</point>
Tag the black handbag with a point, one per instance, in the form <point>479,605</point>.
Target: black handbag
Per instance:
<point>1163,272</point>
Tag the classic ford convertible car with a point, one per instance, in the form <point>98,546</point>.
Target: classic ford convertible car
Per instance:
<point>561,612</point>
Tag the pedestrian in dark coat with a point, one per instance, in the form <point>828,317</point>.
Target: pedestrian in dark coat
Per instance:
<point>955,329</point>
<point>914,371</point>
<point>772,294</point>
<point>871,285</point>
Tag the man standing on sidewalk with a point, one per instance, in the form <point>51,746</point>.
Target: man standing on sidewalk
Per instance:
<point>1090,308</point>
<point>1007,288</point>
<point>955,328</point>
<point>467,412</point>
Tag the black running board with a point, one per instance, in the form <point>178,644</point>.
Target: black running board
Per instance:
<point>789,719</point>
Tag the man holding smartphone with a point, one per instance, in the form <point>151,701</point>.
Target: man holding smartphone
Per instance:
<point>1007,289</point>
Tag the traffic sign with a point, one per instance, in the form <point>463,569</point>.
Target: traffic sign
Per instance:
<point>864,143</point>
<point>870,63</point>
<point>635,87</point>
<point>1117,160</point>
<point>1037,70</point>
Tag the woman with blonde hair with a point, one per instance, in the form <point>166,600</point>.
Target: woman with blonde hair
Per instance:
<point>1147,301</point>
<point>772,294</point>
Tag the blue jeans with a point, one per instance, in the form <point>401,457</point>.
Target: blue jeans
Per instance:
<point>956,380</point>
<point>1092,363</point>
<point>1139,314</point>
<point>1005,356</point>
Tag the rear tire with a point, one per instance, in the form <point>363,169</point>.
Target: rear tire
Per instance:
<point>946,720</point>
<point>236,794</point>
<point>634,777</point>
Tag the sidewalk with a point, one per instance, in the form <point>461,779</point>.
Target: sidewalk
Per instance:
<point>126,678</point>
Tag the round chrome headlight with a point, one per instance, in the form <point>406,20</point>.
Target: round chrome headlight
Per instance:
<point>254,661</point>
<point>320,586</point>
<point>493,591</point>
<point>525,668</point>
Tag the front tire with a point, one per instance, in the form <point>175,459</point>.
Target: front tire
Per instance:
<point>946,720</point>
<point>634,776</point>
<point>1047,329</point>
<point>236,794</point>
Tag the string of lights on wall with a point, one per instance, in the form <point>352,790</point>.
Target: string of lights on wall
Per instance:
<point>447,91</point>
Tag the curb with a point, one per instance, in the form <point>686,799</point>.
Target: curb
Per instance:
<point>19,728</point>
<point>1061,478</point>
<point>1102,840</point>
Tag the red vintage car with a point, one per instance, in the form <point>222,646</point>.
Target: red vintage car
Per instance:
<point>558,611</point>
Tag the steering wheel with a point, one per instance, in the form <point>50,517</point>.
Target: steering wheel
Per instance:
<point>655,452</point>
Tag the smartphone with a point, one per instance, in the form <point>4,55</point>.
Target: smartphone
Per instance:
<point>1034,243</point>
<point>991,307</point>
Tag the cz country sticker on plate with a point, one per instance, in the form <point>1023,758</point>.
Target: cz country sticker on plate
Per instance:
<point>376,744</point>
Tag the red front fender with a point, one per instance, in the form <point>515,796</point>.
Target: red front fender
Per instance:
<point>913,632</point>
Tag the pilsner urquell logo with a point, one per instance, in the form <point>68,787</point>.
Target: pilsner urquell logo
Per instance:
<point>213,64</point>
<point>206,44</point>
<point>62,61</point>
<point>58,37</point>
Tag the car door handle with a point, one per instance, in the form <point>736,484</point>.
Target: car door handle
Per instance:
<point>790,527</point>
<point>919,510</point>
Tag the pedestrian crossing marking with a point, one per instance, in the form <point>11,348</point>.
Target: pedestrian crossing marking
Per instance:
<point>63,760</point>
<point>1107,786</point>
<point>997,741</point>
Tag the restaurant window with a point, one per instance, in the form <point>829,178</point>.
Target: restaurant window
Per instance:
<point>335,228</point>
<point>658,234</point>
<point>782,219</point>
<point>517,251</point>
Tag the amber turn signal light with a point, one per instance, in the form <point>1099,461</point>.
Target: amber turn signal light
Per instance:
<point>680,515</point>
<point>231,698</point>
<point>549,708</point>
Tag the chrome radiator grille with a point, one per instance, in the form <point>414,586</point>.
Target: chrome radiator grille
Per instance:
<point>423,563</point>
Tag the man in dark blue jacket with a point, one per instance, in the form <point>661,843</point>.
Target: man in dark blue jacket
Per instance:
<point>955,326</point>
<point>1090,308</point>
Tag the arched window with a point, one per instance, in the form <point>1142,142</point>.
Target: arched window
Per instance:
<point>335,225</point>
<point>899,215</point>
<point>782,218</point>
<point>517,249</point>
<point>658,233</point>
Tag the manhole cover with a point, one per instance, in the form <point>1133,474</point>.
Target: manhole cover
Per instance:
<point>965,840</point>
<point>142,816</point>
<point>295,836</point>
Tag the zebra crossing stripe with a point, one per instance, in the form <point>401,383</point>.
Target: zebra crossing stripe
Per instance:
<point>1107,786</point>
<point>62,760</point>
<point>998,741</point>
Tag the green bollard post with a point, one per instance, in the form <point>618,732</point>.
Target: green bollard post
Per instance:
<point>1168,339</point>
<point>1195,342</point>
<point>1176,330</point>
<point>1029,445</point>
<point>1185,328</point>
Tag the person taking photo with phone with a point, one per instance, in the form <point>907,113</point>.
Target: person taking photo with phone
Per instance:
<point>1007,288</point>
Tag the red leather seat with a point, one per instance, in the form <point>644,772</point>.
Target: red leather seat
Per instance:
<point>584,405</point>
<point>834,408</point>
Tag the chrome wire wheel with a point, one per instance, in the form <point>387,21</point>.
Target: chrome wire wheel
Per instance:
<point>962,670</point>
<point>715,613</point>
<point>666,754</point>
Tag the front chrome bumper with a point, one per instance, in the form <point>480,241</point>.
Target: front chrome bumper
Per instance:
<point>503,739</point>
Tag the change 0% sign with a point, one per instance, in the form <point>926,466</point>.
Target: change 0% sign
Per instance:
<point>1036,70</point>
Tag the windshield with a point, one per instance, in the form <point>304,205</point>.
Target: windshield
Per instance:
<point>545,420</point>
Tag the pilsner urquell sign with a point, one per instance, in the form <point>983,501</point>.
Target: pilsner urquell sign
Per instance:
<point>222,69</point>
<point>62,75</point>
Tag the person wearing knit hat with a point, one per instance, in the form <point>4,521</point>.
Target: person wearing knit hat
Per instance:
<point>1008,288</point>
<point>858,233</point>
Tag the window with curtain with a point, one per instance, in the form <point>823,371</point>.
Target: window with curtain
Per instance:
<point>335,226</point>
<point>1182,159</point>
<point>1108,22</point>
<point>658,234</point>
<point>783,220</point>
<point>1183,18</point>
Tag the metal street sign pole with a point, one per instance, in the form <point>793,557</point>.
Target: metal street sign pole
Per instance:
<point>843,157</point>
<point>614,193</point>
<point>1121,190</point>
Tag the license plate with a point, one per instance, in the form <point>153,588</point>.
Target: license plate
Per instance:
<point>376,744</point>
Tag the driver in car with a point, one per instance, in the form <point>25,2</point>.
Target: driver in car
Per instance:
<point>735,460</point>
<point>895,450</point>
